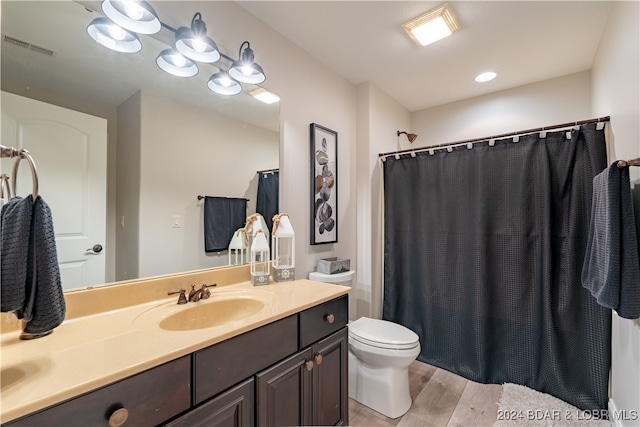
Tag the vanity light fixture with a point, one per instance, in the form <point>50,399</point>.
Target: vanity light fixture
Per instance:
<point>125,18</point>
<point>134,15</point>
<point>432,26</point>
<point>485,77</point>
<point>245,69</point>
<point>113,36</point>
<point>194,43</point>
<point>264,95</point>
<point>176,64</point>
<point>223,84</point>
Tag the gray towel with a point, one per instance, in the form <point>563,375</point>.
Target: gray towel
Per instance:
<point>15,230</point>
<point>34,287</point>
<point>611,270</point>
<point>222,217</point>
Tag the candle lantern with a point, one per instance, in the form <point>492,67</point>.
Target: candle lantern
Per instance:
<point>283,245</point>
<point>238,247</point>
<point>255,222</point>
<point>260,261</point>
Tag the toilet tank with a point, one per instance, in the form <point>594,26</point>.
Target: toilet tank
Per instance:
<point>344,279</point>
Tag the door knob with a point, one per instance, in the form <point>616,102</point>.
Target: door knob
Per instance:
<point>95,249</point>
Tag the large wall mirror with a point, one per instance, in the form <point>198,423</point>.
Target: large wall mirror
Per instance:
<point>168,139</point>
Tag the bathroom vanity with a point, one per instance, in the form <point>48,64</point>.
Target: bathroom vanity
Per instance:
<point>283,365</point>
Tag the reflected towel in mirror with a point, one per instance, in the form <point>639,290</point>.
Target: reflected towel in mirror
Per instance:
<point>222,217</point>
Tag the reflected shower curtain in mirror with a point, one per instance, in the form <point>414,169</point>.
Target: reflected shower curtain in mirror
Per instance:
<point>267,200</point>
<point>483,257</point>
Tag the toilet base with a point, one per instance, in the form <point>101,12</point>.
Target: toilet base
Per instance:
<point>385,390</point>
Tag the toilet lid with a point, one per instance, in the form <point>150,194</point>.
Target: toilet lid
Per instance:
<point>382,333</point>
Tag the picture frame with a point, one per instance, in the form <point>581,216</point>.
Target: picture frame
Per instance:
<point>324,185</point>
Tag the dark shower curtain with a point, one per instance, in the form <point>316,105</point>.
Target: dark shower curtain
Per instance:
<point>483,256</point>
<point>267,200</point>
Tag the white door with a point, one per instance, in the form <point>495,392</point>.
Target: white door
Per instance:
<point>69,149</point>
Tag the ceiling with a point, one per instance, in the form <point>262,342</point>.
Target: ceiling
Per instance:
<point>362,41</point>
<point>523,41</point>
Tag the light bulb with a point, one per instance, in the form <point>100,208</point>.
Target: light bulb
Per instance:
<point>246,70</point>
<point>133,9</point>
<point>199,45</point>
<point>179,60</point>
<point>116,32</point>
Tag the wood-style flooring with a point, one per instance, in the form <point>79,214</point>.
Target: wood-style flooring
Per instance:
<point>440,399</point>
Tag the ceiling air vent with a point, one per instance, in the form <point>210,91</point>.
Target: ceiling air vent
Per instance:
<point>21,43</point>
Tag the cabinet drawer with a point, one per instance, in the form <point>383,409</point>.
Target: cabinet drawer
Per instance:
<point>322,320</point>
<point>150,398</point>
<point>222,365</point>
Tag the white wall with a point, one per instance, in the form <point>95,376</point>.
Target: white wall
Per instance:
<point>616,92</point>
<point>555,101</point>
<point>127,176</point>
<point>310,93</point>
<point>379,118</point>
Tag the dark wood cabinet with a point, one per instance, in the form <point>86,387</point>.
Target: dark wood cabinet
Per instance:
<point>233,408</point>
<point>330,387</point>
<point>220,366</point>
<point>145,399</point>
<point>309,388</point>
<point>284,392</point>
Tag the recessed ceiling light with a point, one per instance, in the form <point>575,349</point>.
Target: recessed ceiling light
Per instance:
<point>431,26</point>
<point>264,96</point>
<point>485,77</point>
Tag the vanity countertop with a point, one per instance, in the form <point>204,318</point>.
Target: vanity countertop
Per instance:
<point>89,352</point>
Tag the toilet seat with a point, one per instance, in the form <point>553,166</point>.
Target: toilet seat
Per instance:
<point>382,334</point>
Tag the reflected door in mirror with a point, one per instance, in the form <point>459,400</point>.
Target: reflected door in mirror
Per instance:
<point>69,149</point>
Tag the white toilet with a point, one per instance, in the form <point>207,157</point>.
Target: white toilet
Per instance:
<point>380,353</point>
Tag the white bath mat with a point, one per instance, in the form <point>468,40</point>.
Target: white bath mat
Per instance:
<point>522,406</point>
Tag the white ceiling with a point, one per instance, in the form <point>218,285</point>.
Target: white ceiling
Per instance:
<point>523,41</point>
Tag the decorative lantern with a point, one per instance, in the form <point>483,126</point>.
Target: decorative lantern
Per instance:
<point>238,247</point>
<point>283,245</point>
<point>255,222</point>
<point>260,259</point>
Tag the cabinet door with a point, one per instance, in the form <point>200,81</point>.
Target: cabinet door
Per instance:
<point>233,408</point>
<point>284,392</point>
<point>330,388</point>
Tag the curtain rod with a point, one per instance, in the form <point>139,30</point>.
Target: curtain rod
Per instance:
<point>504,135</point>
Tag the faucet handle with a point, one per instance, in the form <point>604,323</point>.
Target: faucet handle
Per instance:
<point>205,293</point>
<point>182,299</point>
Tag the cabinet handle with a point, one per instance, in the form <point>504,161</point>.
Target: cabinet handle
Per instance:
<point>318,359</point>
<point>329,318</point>
<point>309,365</point>
<point>118,417</point>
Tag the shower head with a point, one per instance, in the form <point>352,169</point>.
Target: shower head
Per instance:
<point>410,136</point>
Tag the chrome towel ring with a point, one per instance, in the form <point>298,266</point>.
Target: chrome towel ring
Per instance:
<point>20,154</point>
